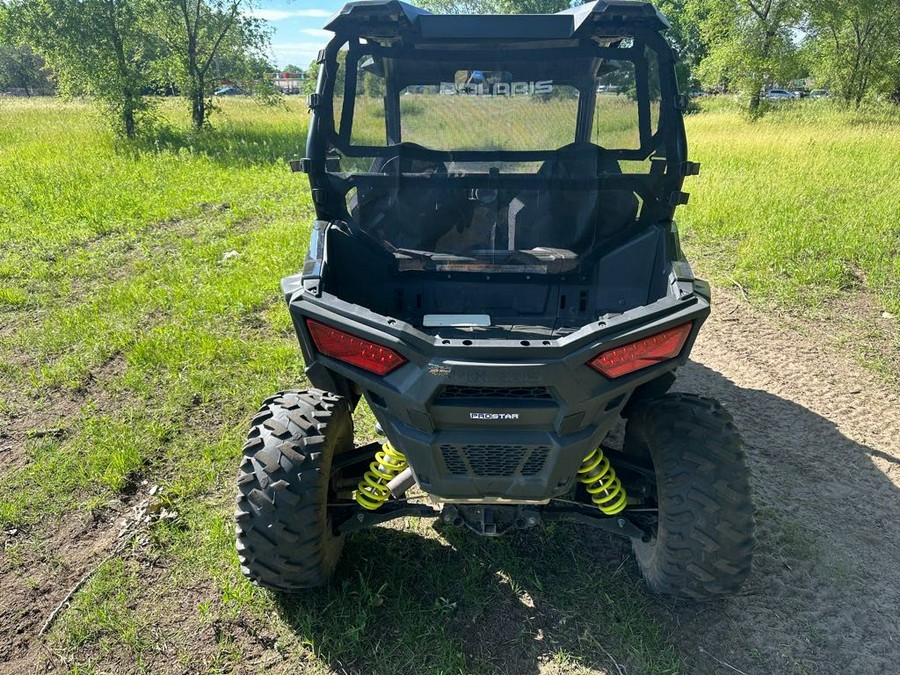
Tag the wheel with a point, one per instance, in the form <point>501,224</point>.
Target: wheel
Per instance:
<point>704,539</point>
<point>285,539</point>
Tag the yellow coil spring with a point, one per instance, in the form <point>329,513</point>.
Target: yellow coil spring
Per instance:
<point>602,483</point>
<point>372,491</point>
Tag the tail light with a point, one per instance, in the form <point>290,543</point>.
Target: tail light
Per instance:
<point>642,353</point>
<point>354,350</point>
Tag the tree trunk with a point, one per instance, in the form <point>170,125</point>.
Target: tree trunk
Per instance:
<point>128,120</point>
<point>755,99</point>
<point>758,82</point>
<point>197,87</point>
<point>755,107</point>
<point>198,106</point>
<point>129,96</point>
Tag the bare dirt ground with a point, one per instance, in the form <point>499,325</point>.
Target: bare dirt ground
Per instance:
<point>27,600</point>
<point>823,437</point>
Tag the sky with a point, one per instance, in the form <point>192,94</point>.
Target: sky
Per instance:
<point>297,28</point>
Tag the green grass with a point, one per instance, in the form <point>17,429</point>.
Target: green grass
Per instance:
<point>130,315</point>
<point>800,206</point>
<point>133,349</point>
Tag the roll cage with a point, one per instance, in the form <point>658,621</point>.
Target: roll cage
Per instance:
<point>390,29</point>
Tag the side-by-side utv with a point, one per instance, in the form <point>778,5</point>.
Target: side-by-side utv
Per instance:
<point>495,269</point>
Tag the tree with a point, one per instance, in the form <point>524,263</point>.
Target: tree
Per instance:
<point>95,47</point>
<point>460,6</point>
<point>684,37</point>
<point>535,6</point>
<point>892,80</point>
<point>22,69</point>
<point>312,77</point>
<point>853,43</point>
<point>197,33</point>
<point>749,43</point>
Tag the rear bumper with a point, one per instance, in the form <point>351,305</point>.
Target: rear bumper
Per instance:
<point>493,420</point>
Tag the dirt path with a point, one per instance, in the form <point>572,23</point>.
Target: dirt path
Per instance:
<point>824,443</point>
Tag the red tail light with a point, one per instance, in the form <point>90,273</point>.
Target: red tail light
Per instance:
<point>642,353</point>
<point>354,350</point>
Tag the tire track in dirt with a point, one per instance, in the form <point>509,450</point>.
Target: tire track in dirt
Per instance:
<point>823,437</point>
<point>33,585</point>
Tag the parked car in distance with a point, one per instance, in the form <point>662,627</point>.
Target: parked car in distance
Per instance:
<point>779,95</point>
<point>228,91</point>
<point>819,94</point>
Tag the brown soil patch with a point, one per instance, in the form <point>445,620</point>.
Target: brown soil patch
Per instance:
<point>36,577</point>
<point>52,414</point>
<point>823,437</point>
<point>857,324</point>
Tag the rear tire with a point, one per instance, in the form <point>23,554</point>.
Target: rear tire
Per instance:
<point>704,542</point>
<point>284,537</point>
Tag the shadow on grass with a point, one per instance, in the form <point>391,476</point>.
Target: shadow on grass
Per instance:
<point>231,145</point>
<point>568,598</point>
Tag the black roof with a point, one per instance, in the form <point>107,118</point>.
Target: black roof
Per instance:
<point>387,19</point>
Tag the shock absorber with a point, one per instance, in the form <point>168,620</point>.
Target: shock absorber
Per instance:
<point>372,490</point>
<point>604,487</point>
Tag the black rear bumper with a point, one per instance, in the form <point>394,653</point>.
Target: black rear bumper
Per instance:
<point>493,420</point>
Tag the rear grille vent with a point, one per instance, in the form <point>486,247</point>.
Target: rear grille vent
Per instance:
<point>465,392</point>
<point>494,459</point>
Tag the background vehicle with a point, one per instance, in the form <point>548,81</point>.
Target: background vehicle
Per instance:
<point>498,274</point>
<point>819,94</point>
<point>228,91</point>
<point>779,95</point>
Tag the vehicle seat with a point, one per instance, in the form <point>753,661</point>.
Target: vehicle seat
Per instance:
<point>571,219</point>
<point>409,215</point>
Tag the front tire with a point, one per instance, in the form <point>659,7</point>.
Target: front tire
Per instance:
<point>284,537</point>
<point>704,542</point>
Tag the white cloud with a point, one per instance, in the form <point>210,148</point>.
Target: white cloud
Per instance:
<point>282,14</point>
<point>317,33</point>
<point>299,53</point>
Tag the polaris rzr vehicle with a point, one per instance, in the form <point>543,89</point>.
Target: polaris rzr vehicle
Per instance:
<point>495,269</point>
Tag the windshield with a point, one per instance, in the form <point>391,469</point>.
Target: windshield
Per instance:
<point>489,110</point>
<point>512,160</point>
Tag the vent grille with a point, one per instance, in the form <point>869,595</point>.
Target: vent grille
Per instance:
<point>466,392</point>
<point>494,459</point>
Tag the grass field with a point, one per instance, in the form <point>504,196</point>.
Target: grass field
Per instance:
<point>141,324</point>
<point>800,206</point>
